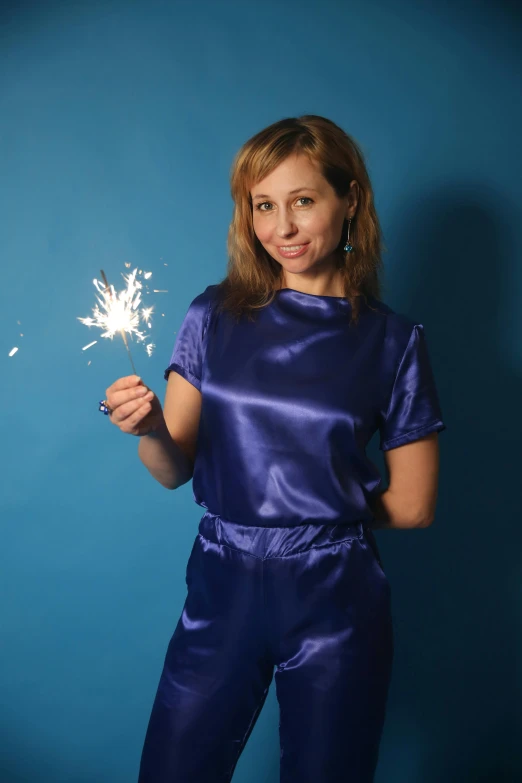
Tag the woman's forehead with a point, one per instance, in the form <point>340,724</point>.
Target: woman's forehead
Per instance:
<point>297,171</point>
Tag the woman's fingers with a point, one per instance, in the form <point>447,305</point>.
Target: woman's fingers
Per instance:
<point>122,412</point>
<point>124,383</point>
<point>122,396</point>
<point>131,422</point>
<point>131,402</point>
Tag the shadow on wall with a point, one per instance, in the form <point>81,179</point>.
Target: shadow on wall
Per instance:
<point>456,585</point>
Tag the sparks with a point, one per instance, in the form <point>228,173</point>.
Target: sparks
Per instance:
<point>145,314</point>
<point>119,312</point>
<point>13,351</point>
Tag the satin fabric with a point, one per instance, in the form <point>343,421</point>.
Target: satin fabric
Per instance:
<point>284,575</point>
<point>290,402</point>
<point>307,605</point>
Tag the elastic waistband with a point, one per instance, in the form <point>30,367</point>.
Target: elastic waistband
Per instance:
<point>265,542</point>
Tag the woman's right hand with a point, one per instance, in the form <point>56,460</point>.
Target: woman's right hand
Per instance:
<point>135,408</point>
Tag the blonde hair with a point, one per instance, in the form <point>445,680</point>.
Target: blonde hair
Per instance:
<point>253,276</point>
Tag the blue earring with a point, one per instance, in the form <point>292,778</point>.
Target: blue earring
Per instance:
<point>348,248</point>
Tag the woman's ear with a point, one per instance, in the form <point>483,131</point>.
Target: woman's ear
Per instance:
<point>353,199</point>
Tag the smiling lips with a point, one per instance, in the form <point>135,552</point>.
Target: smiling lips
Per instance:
<point>292,251</point>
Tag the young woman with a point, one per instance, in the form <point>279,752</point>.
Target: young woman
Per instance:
<point>279,377</point>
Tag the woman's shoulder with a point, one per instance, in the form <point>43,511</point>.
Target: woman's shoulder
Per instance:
<point>208,293</point>
<point>204,304</point>
<point>204,299</point>
<point>393,317</point>
<point>396,323</point>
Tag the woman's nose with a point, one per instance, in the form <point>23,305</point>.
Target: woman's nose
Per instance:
<point>285,227</point>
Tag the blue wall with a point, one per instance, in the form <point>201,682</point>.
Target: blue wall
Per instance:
<point>118,125</point>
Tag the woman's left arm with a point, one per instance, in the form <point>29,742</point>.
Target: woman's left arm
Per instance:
<point>411,497</point>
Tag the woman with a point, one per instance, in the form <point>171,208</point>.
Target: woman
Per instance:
<point>279,377</point>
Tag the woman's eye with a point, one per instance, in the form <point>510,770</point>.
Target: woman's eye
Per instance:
<point>262,203</point>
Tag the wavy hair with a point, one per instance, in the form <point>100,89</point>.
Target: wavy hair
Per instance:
<point>253,276</point>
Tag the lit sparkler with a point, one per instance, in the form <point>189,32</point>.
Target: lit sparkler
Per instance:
<point>120,312</point>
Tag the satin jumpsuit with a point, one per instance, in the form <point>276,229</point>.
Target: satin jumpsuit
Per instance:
<point>285,579</point>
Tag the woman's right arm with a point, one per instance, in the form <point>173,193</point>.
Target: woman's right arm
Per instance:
<point>164,459</point>
<point>168,435</point>
<point>169,451</point>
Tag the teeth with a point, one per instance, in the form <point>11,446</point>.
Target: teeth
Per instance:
<point>291,248</point>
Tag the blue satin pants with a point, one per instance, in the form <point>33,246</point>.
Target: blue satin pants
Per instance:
<point>311,601</point>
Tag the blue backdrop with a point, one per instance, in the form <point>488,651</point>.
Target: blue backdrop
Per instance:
<point>118,125</point>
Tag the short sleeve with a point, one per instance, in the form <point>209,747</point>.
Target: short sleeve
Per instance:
<point>413,409</point>
<point>187,356</point>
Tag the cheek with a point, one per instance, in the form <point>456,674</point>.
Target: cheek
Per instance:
<point>329,229</point>
<point>262,230</point>
<point>316,226</point>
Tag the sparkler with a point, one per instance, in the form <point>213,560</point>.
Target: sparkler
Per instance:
<point>120,312</point>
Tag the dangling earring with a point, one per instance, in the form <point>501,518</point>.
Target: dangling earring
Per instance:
<point>348,248</point>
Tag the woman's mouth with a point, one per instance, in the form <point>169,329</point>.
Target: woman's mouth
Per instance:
<point>292,251</point>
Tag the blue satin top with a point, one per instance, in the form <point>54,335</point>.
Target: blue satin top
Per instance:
<point>291,400</point>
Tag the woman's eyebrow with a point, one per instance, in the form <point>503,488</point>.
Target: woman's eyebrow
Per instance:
<point>291,193</point>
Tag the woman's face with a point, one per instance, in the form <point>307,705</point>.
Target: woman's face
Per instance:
<point>296,206</point>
